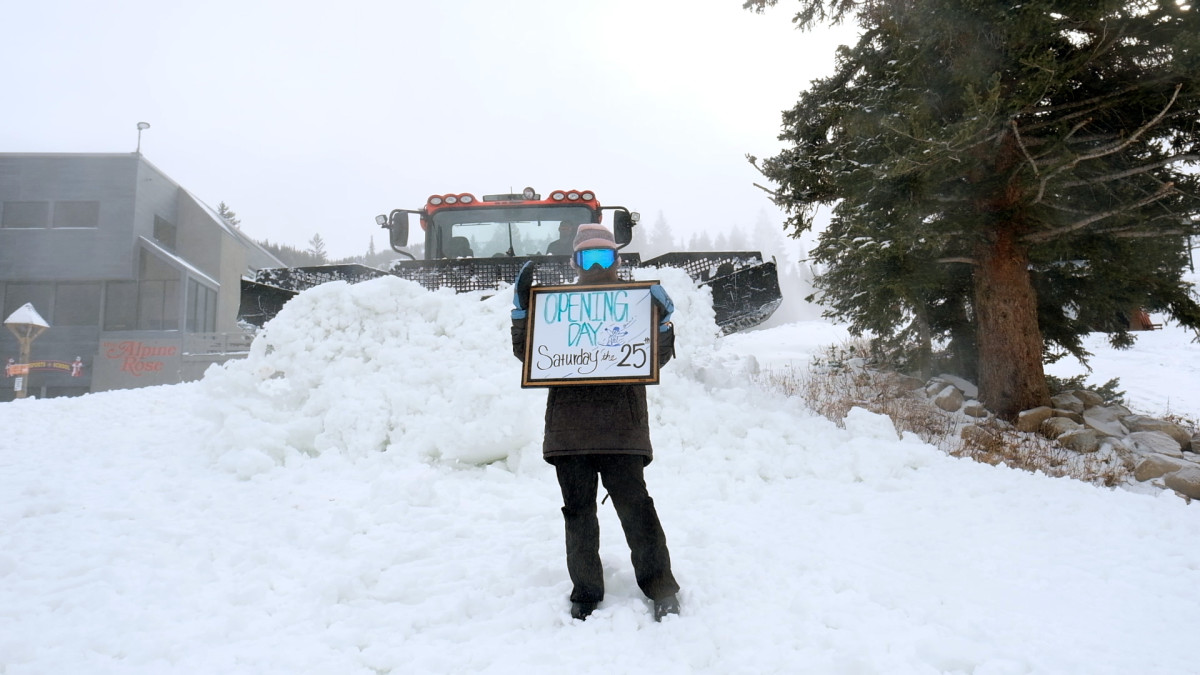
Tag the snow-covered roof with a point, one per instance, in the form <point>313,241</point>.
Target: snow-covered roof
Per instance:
<point>192,269</point>
<point>27,314</point>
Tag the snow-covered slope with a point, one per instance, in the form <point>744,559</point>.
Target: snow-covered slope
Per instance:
<point>365,494</point>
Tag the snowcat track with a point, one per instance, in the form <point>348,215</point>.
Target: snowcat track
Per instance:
<point>745,289</point>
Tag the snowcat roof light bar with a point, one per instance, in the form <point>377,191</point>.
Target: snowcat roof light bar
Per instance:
<point>438,200</point>
<point>572,195</point>
<point>528,195</point>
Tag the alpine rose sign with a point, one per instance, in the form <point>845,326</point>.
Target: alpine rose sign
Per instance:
<point>134,361</point>
<point>603,334</point>
<point>138,358</point>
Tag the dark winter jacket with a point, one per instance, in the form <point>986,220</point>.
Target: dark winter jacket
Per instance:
<point>597,419</point>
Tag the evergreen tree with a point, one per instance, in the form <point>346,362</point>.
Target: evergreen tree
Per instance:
<point>228,215</point>
<point>290,255</point>
<point>736,240</point>
<point>1007,176</point>
<point>316,247</point>
<point>700,241</point>
<point>766,237</point>
<point>659,239</point>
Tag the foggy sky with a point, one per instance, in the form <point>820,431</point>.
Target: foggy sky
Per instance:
<point>312,118</point>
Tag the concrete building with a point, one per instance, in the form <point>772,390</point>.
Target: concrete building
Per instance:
<point>139,280</point>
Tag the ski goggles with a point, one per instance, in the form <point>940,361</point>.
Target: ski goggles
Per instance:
<point>590,257</point>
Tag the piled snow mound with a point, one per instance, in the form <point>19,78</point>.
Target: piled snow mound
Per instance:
<point>382,365</point>
<point>386,365</point>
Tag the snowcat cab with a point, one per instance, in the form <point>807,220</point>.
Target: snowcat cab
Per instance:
<point>479,244</point>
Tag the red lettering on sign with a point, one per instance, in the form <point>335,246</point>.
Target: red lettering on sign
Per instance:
<point>133,355</point>
<point>138,367</point>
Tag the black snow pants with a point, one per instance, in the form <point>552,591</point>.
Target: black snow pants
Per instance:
<point>623,479</point>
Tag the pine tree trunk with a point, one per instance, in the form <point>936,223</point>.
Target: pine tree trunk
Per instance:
<point>924,360</point>
<point>1011,378</point>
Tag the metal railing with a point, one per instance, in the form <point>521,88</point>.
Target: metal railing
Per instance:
<point>216,343</point>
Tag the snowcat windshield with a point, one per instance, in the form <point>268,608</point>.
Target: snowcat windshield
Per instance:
<point>499,232</point>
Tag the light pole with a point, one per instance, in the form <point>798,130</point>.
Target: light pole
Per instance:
<point>27,325</point>
<point>142,126</point>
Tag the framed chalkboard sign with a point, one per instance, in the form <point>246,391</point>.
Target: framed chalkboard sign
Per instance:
<point>602,334</point>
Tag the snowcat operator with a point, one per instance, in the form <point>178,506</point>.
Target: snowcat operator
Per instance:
<point>565,244</point>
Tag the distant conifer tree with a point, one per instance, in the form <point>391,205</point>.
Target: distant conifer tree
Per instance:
<point>316,248</point>
<point>228,215</point>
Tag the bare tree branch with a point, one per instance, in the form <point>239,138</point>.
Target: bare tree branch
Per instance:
<point>1021,144</point>
<point>1132,172</point>
<point>1139,231</point>
<point>1146,235</point>
<point>1038,141</point>
<point>774,194</point>
<point>1110,148</point>
<point>1087,102</point>
<point>1080,224</point>
<point>1064,208</point>
<point>1042,184</point>
<point>1093,138</point>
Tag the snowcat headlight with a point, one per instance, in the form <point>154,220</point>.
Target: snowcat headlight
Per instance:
<point>451,199</point>
<point>558,196</point>
<point>573,196</point>
<point>435,200</point>
<point>588,196</point>
<point>466,199</point>
<point>529,193</point>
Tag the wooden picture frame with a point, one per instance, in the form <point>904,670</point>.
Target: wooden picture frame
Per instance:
<point>591,335</point>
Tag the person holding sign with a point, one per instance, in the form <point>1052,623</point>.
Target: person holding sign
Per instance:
<point>601,431</point>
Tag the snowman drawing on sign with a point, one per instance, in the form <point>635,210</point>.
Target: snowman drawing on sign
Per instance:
<point>613,336</point>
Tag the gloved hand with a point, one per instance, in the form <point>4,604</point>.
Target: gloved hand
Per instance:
<point>665,307</point>
<point>521,286</point>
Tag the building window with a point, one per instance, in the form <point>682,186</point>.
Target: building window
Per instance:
<point>17,294</point>
<point>150,303</point>
<point>77,214</point>
<point>202,308</point>
<point>25,214</point>
<point>164,232</point>
<point>158,294</point>
<point>76,304</point>
<point>120,305</point>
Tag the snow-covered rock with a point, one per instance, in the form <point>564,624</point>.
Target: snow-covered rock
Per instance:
<point>1153,465</point>
<point>1031,420</point>
<point>1146,423</point>
<point>1185,481</point>
<point>1154,442</point>
<point>1106,420</point>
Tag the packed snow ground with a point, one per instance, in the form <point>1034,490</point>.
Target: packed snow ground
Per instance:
<point>365,494</point>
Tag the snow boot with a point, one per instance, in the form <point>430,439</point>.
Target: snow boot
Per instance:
<point>582,610</point>
<point>665,606</point>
